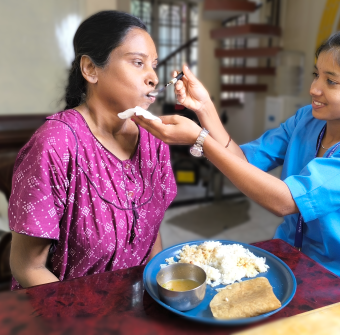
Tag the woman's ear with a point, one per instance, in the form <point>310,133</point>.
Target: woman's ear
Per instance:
<point>88,69</point>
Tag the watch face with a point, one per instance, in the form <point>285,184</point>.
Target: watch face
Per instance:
<point>196,151</point>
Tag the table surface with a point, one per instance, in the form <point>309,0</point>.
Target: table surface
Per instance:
<point>116,302</point>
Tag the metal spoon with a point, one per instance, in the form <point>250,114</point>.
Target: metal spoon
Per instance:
<point>154,93</point>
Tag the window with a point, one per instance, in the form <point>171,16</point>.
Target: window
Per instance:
<point>171,24</point>
<point>143,10</point>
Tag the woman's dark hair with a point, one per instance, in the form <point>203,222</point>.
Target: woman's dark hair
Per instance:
<point>96,37</point>
<point>331,44</point>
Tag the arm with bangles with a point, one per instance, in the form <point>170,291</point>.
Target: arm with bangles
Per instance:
<point>157,247</point>
<point>265,189</point>
<point>28,260</point>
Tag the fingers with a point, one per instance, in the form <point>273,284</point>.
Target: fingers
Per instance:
<point>175,129</point>
<point>152,126</point>
<point>174,73</point>
<point>158,129</point>
<point>190,76</point>
<point>180,91</point>
<point>179,85</point>
<point>170,119</point>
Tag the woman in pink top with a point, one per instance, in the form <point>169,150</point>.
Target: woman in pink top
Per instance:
<point>89,187</point>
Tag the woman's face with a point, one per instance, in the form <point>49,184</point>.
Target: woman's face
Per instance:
<point>130,73</point>
<point>325,88</point>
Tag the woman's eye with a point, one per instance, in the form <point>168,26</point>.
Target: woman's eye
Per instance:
<point>315,75</point>
<point>138,63</point>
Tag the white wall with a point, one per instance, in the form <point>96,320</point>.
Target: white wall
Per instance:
<point>300,22</point>
<point>33,69</point>
<point>208,65</point>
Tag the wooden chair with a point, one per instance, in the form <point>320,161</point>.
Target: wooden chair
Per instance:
<point>5,270</point>
<point>15,131</point>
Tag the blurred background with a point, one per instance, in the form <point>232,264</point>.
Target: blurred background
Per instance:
<point>255,58</point>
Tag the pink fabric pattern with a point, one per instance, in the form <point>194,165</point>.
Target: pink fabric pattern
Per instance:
<point>102,214</point>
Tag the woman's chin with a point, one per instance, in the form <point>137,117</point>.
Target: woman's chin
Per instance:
<point>144,105</point>
<point>317,114</point>
<point>325,115</point>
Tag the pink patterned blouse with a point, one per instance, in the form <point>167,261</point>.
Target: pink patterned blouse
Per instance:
<point>102,213</point>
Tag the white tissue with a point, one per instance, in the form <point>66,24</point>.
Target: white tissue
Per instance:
<point>138,111</point>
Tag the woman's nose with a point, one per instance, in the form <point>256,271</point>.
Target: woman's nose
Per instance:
<point>151,79</point>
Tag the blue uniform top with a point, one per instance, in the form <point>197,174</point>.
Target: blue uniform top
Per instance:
<point>313,182</point>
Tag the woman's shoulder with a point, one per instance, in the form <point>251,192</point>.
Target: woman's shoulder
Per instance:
<point>68,120</point>
<point>57,131</point>
<point>60,128</point>
<point>53,138</point>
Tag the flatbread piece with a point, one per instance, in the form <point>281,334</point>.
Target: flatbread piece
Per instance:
<point>243,300</point>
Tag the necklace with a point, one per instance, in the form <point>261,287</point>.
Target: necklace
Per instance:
<point>324,147</point>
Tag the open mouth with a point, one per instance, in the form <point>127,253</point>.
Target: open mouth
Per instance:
<point>151,98</point>
<point>317,104</point>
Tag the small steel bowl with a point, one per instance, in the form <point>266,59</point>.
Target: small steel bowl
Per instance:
<point>186,300</point>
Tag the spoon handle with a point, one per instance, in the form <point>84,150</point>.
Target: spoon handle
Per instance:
<point>174,80</point>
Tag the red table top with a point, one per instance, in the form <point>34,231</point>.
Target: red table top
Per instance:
<point>116,302</point>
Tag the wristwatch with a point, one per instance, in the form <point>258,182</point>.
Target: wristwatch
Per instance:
<point>197,149</point>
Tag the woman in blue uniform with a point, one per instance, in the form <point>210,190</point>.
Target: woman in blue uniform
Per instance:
<point>307,145</point>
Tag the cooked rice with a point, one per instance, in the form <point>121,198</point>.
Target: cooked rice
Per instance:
<point>223,264</point>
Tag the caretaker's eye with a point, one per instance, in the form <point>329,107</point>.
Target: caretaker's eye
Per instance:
<point>331,82</point>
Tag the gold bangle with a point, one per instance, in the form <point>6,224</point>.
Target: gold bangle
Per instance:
<point>228,142</point>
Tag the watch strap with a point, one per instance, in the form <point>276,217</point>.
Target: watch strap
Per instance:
<point>197,149</point>
<point>201,137</point>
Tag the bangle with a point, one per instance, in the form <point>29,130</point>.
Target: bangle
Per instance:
<point>228,142</point>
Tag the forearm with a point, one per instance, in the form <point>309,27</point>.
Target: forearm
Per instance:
<point>268,191</point>
<point>210,120</point>
<point>28,277</point>
<point>28,258</point>
<point>157,247</point>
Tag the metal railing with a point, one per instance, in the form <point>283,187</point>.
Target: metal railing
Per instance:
<point>234,43</point>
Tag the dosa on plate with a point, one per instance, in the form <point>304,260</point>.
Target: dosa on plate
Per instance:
<point>246,299</point>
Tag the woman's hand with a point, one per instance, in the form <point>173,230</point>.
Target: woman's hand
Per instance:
<point>190,92</point>
<point>175,129</point>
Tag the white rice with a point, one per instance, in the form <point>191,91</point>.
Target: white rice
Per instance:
<point>223,264</point>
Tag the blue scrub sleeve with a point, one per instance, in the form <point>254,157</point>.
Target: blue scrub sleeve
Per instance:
<point>269,151</point>
<point>316,190</point>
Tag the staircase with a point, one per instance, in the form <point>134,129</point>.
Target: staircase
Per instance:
<point>234,33</point>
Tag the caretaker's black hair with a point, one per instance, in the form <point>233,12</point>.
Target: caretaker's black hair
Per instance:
<point>331,44</point>
<point>96,37</point>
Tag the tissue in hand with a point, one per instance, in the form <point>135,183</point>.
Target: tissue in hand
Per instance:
<point>138,111</point>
